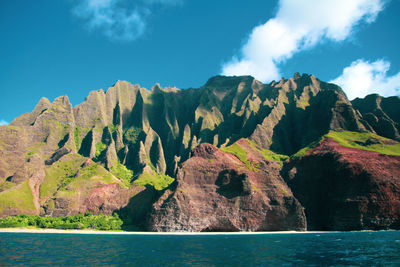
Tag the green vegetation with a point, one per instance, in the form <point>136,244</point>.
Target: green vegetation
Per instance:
<point>71,185</point>
<point>285,192</point>
<point>158,181</point>
<point>33,149</point>
<point>65,129</point>
<point>19,197</point>
<point>60,174</point>
<point>283,97</point>
<point>210,119</point>
<point>131,135</point>
<point>239,152</point>
<point>52,124</point>
<point>88,171</point>
<point>302,152</point>
<point>87,221</point>
<point>151,165</point>
<point>77,133</point>
<point>6,185</point>
<point>268,154</point>
<point>100,149</point>
<point>112,127</point>
<point>365,141</point>
<point>90,176</point>
<point>122,172</point>
<point>303,104</point>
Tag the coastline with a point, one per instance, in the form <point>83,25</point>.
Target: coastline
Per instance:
<point>97,232</point>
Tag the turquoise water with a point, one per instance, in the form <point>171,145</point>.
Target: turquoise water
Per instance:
<point>311,249</point>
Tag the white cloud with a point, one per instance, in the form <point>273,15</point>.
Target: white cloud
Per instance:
<point>120,20</point>
<point>362,78</point>
<point>3,122</point>
<point>298,25</point>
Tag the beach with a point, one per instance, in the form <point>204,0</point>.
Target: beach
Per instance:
<point>59,231</point>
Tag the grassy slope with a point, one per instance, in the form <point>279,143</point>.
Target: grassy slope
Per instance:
<point>60,174</point>
<point>158,181</point>
<point>120,171</point>
<point>363,141</point>
<point>19,197</point>
<point>268,154</point>
<point>241,154</point>
<point>66,178</point>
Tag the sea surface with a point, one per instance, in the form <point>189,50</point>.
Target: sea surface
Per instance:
<point>290,249</point>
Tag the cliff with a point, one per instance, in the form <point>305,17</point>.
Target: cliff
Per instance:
<point>220,157</point>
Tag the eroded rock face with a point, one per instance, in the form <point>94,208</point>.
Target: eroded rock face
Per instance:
<point>62,160</point>
<point>347,189</point>
<point>283,116</point>
<point>380,114</point>
<point>108,198</point>
<point>217,192</point>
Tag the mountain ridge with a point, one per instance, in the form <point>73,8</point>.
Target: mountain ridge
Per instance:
<point>141,140</point>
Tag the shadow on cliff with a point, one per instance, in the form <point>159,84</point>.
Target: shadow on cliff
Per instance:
<point>334,193</point>
<point>298,127</point>
<point>134,214</point>
<point>231,184</point>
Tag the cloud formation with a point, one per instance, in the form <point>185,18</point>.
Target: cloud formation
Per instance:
<point>362,78</point>
<point>119,20</point>
<point>298,25</point>
<point>3,122</point>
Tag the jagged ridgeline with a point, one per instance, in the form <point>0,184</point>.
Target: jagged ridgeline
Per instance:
<point>121,145</point>
<point>157,129</point>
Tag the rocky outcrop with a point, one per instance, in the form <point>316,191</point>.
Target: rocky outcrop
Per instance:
<point>283,116</point>
<point>380,114</point>
<point>207,159</point>
<point>345,188</point>
<point>57,155</point>
<point>107,199</point>
<point>218,192</point>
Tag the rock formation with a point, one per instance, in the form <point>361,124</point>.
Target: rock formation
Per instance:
<point>380,114</point>
<point>218,192</point>
<point>345,188</point>
<point>209,159</point>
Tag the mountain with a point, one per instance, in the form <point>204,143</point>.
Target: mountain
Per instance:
<point>233,155</point>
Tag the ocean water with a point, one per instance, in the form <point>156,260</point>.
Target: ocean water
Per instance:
<point>295,249</point>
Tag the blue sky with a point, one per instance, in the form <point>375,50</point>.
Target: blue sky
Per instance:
<point>67,47</point>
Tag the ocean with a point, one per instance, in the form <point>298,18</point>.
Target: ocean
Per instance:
<point>380,248</point>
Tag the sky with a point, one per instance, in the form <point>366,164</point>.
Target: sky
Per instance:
<point>70,47</point>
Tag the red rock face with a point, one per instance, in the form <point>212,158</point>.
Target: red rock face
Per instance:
<point>134,203</point>
<point>106,199</point>
<point>217,192</point>
<point>347,189</point>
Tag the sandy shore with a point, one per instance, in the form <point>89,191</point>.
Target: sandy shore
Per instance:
<point>56,231</point>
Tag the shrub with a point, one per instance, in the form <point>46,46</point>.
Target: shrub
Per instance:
<point>87,221</point>
<point>100,150</point>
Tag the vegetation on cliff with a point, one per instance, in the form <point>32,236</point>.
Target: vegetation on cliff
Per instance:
<point>364,141</point>
<point>125,148</point>
<point>158,181</point>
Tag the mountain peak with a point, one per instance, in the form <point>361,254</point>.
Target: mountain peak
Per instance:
<point>227,141</point>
